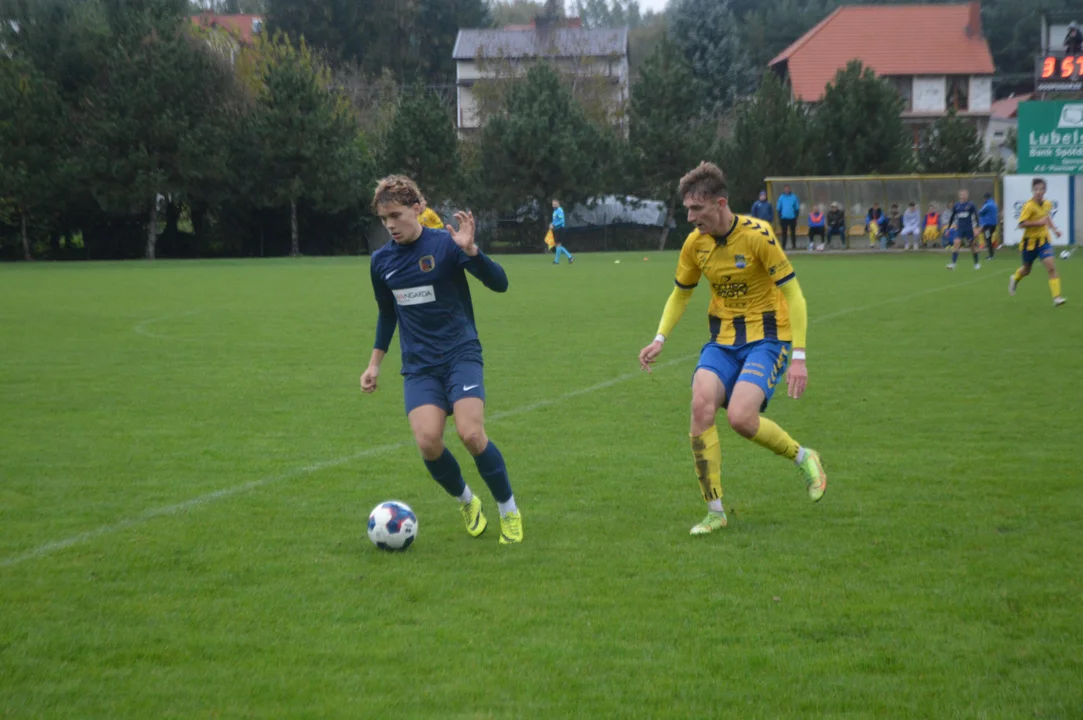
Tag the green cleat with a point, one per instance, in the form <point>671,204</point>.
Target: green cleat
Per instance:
<point>812,469</point>
<point>511,528</point>
<point>706,526</point>
<point>473,516</point>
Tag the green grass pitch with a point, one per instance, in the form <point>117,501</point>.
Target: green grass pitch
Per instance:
<point>187,465</point>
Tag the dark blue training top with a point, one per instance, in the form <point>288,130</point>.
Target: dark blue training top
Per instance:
<point>964,215</point>
<point>423,288</point>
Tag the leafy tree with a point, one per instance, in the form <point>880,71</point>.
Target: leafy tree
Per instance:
<point>33,163</point>
<point>412,38</point>
<point>515,12</point>
<point>307,144</point>
<point>774,26</point>
<point>667,133</point>
<point>857,127</point>
<point>708,33</point>
<point>67,42</point>
<point>609,13</point>
<point>772,135</point>
<point>541,146</point>
<point>952,145</point>
<point>422,143</point>
<point>435,30</point>
<point>154,122</point>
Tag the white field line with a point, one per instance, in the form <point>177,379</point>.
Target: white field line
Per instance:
<point>167,510</point>
<point>141,328</point>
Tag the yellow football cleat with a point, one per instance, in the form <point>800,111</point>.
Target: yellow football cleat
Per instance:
<point>511,528</point>
<point>812,469</point>
<point>473,517</point>
<point>706,526</point>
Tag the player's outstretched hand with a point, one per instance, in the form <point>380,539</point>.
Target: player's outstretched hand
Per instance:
<point>464,236</point>
<point>797,378</point>
<point>649,354</point>
<point>368,379</point>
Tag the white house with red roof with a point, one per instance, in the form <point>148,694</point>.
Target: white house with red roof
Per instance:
<point>935,55</point>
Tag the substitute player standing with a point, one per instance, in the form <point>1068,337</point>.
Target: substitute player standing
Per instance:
<point>1036,219</point>
<point>419,279</point>
<point>757,314</point>
<point>963,216</point>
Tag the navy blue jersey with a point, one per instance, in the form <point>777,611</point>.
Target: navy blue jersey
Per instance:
<point>422,287</point>
<point>964,215</point>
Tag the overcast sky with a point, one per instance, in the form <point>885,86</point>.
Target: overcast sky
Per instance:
<point>656,5</point>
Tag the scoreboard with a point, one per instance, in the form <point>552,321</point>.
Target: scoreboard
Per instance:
<point>1059,73</point>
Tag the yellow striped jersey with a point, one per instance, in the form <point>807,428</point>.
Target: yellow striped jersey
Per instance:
<point>1035,237</point>
<point>430,219</point>
<point>745,268</point>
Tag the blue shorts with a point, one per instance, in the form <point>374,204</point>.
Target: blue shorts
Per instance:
<point>444,386</point>
<point>761,363</point>
<point>965,234</point>
<point>1039,253</point>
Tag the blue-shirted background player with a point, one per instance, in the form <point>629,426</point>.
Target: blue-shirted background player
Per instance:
<point>963,216</point>
<point>988,218</point>
<point>419,279</point>
<point>557,226</point>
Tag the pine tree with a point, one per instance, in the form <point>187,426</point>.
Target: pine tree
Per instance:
<point>541,146</point>
<point>33,164</point>
<point>772,136</point>
<point>307,144</point>
<point>422,144</point>
<point>710,36</point>
<point>952,145</point>
<point>667,135</point>
<point>858,129</point>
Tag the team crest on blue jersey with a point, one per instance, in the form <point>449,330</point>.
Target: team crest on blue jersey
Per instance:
<point>427,263</point>
<point>739,261</point>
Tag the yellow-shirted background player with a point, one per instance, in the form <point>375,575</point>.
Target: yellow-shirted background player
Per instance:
<point>1036,219</point>
<point>757,320</point>
<point>428,218</point>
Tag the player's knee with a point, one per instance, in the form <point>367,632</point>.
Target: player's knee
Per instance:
<point>703,410</point>
<point>474,438</point>
<point>430,443</point>
<point>745,421</point>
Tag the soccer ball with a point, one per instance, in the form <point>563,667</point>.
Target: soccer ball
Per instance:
<point>1065,254</point>
<point>392,525</point>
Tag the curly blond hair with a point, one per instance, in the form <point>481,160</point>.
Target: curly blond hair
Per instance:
<point>396,189</point>
<point>706,180</point>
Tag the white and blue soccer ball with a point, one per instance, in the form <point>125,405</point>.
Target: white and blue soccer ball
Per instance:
<point>392,525</point>
<point>1065,254</point>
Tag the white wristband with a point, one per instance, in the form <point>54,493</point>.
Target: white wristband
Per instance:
<point>660,338</point>
<point>798,354</point>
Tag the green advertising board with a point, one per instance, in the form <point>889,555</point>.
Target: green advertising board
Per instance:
<point>1051,137</point>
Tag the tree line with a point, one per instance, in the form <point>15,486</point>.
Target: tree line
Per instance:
<point>127,131</point>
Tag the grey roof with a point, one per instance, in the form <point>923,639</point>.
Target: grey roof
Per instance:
<point>561,42</point>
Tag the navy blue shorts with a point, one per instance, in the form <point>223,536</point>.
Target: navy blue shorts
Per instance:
<point>1039,253</point>
<point>966,235</point>
<point>445,386</point>
<point>761,363</point>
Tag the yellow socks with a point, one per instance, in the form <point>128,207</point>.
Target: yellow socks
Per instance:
<point>708,455</point>
<point>1054,287</point>
<point>775,439</point>
<point>1018,275</point>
